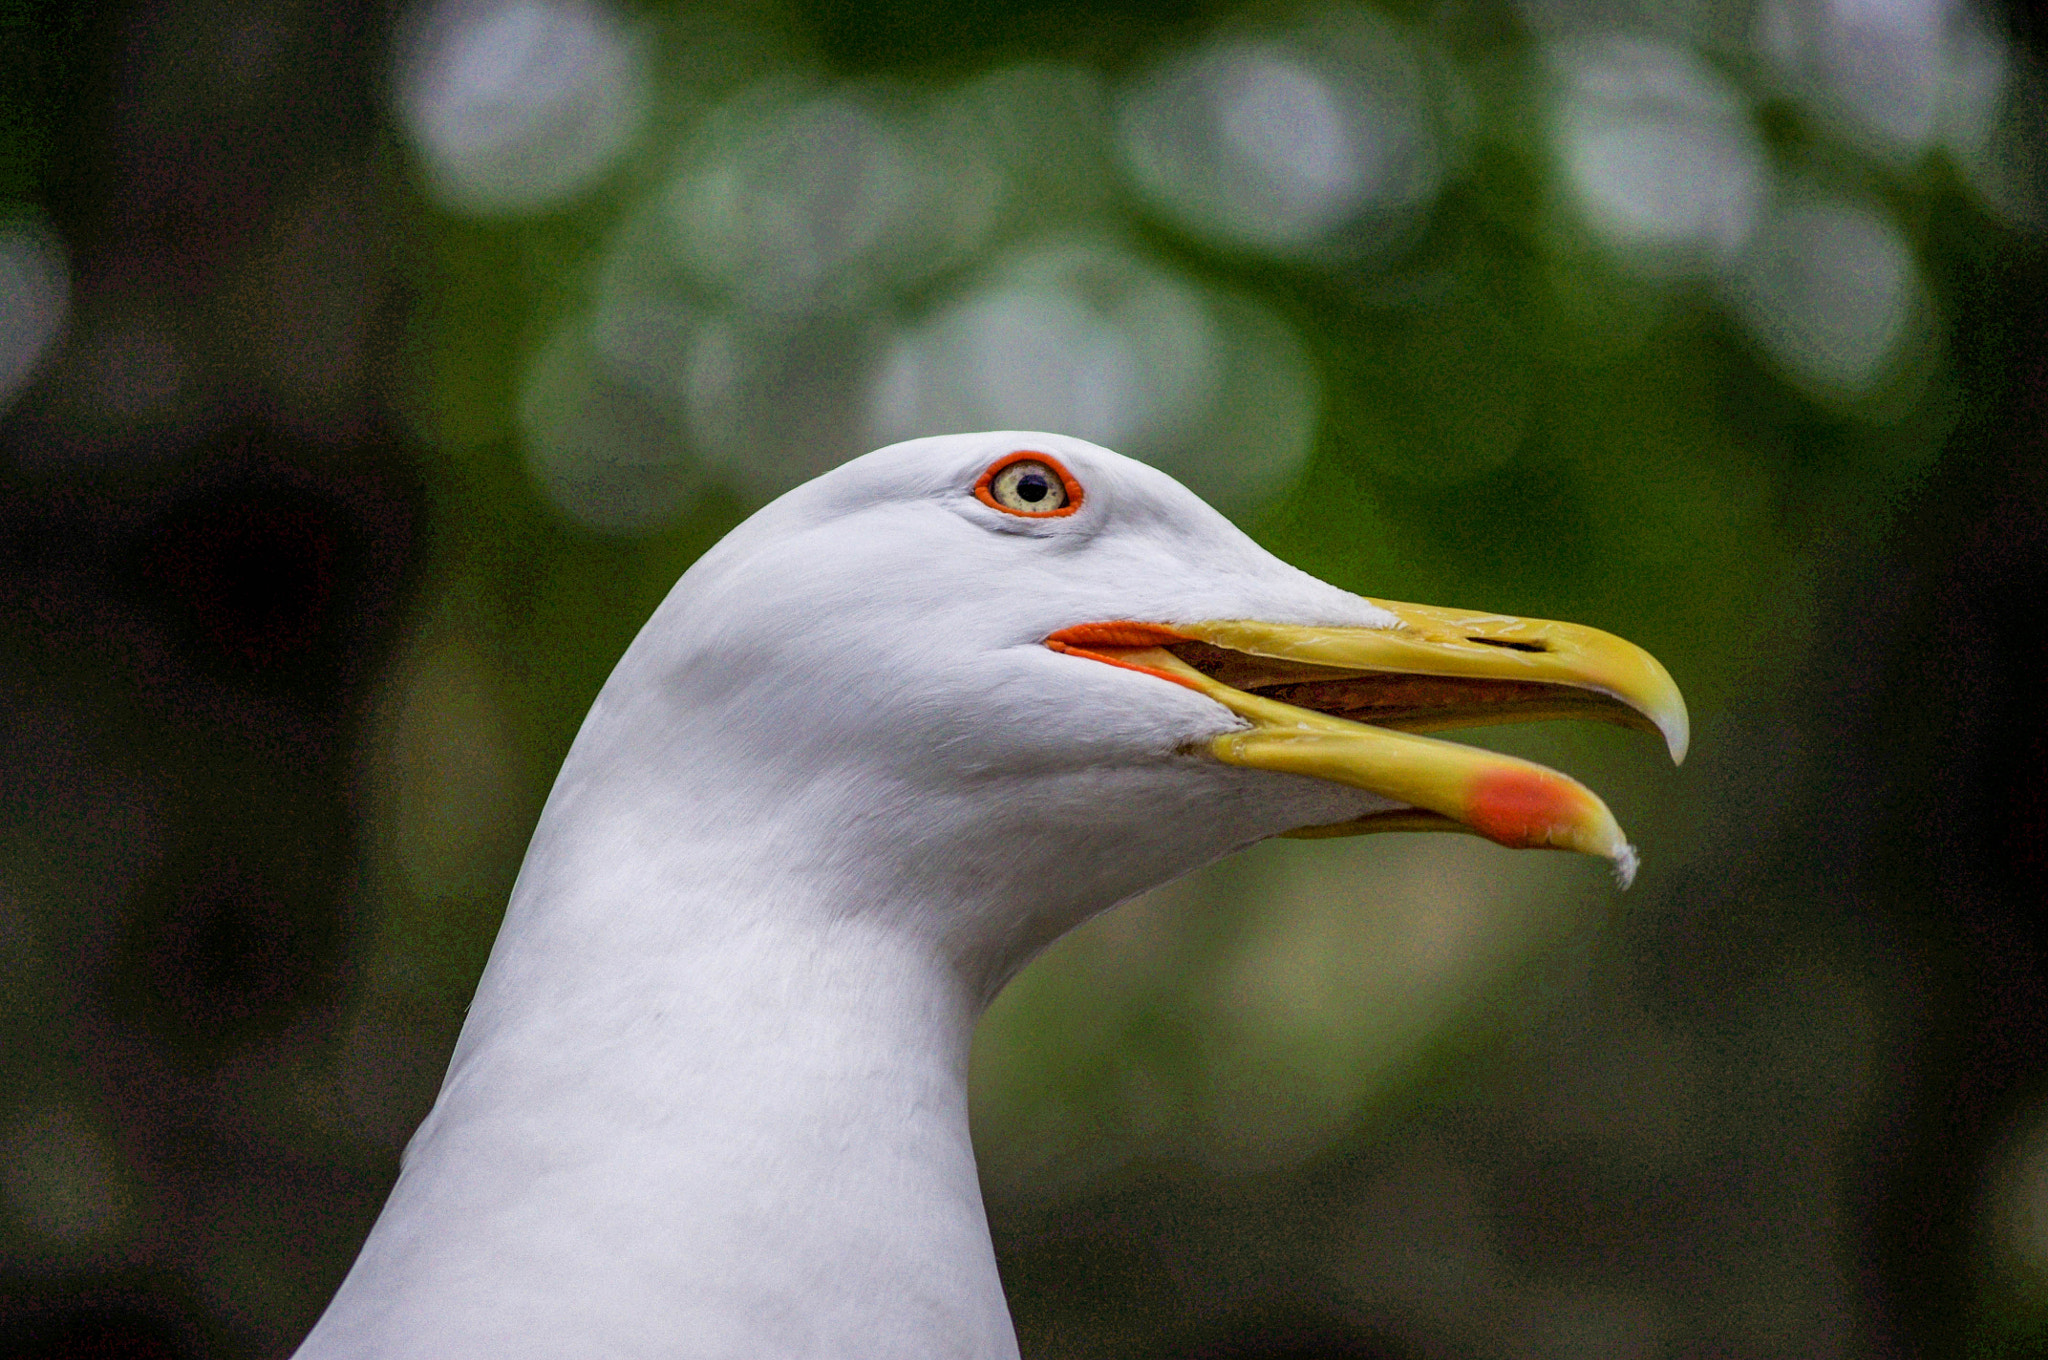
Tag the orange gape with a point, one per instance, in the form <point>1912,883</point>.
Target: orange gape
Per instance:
<point>1102,642</point>
<point>1116,633</point>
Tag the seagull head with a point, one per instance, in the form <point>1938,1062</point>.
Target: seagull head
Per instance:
<point>1025,677</point>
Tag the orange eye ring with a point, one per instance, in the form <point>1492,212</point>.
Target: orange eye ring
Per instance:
<point>986,490</point>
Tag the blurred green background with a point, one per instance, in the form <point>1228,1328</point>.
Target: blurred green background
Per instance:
<point>369,371</point>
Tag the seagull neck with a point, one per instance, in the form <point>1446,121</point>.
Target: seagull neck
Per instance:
<point>684,1118</point>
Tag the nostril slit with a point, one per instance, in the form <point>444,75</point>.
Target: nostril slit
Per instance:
<point>1511,646</point>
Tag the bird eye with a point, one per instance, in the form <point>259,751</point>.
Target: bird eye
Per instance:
<point>1029,486</point>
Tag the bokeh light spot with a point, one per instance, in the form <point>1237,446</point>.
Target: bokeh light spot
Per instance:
<point>1658,151</point>
<point>1831,290</point>
<point>1319,141</point>
<point>1879,71</point>
<point>516,106</point>
<point>799,202</point>
<point>1077,339</point>
<point>1286,121</point>
<point>1089,340</point>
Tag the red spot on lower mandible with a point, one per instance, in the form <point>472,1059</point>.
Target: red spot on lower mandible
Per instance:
<point>1520,808</point>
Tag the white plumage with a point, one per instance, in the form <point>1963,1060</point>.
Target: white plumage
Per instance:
<point>710,1099</point>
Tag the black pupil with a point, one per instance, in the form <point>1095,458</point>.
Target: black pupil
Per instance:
<point>1033,487</point>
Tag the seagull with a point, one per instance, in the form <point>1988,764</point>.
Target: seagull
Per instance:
<point>886,741</point>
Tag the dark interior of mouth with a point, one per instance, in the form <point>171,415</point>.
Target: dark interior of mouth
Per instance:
<point>1394,819</point>
<point>1404,702</point>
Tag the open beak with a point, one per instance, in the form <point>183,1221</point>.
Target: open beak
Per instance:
<point>1346,704</point>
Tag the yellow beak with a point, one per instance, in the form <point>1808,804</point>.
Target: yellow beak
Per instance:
<point>1344,704</point>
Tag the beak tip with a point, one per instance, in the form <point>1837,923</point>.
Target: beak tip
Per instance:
<point>1671,716</point>
<point>1668,713</point>
<point>1678,737</point>
<point>1626,862</point>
